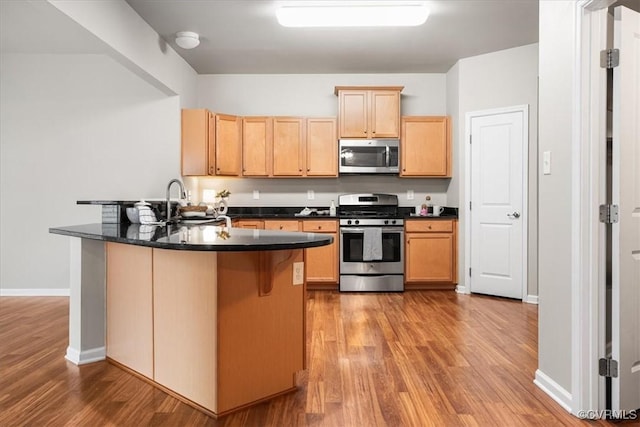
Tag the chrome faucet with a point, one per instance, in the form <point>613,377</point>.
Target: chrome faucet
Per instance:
<point>183,195</point>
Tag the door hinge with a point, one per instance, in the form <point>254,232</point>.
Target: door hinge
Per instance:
<point>469,271</point>
<point>609,214</point>
<point>609,58</point>
<point>470,138</point>
<point>469,205</point>
<point>608,368</point>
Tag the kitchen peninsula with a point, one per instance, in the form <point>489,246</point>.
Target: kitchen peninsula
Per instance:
<point>213,315</point>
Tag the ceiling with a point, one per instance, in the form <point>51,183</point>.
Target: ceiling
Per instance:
<point>243,37</point>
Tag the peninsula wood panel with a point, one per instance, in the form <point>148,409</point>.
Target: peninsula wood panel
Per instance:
<point>257,359</point>
<point>185,327</point>
<point>129,307</point>
<point>425,146</point>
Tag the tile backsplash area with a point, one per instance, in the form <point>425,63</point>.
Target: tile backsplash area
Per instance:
<point>317,192</point>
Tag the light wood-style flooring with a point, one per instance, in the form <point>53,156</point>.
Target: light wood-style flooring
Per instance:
<point>419,358</point>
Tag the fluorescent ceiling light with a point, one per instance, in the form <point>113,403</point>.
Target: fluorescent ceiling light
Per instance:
<point>360,14</point>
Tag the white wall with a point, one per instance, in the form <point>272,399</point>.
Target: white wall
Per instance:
<point>73,127</point>
<point>557,27</point>
<point>496,80</point>
<point>313,95</point>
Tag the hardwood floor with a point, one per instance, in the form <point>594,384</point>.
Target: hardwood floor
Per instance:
<point>419,358</point>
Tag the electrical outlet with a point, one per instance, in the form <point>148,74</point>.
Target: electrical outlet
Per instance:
<point>310,195</point>
<point>256,195</point>
<point>298,273</point>
<point>409,194</point>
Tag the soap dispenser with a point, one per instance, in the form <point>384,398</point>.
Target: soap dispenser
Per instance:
<point>332,209</point>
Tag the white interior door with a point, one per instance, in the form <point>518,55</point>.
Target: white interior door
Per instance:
<point>625,322</point>
<point>498,198</point>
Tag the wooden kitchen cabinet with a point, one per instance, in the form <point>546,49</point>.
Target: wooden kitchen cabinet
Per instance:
<point>282,224</point>
<point>257,141</point>
<point>198,142</point>
<point>321,146</point>
<point>431,254</point>
<point>228,145</point>
<point>288,146</point>
<point>249,223</point>
<point>368,112</point>
<point>211,143</point>
<point>321,263</point>
<point>425,147</point>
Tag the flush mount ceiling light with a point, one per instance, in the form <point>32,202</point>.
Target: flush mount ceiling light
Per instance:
<point>353,14</point>
<point>187,39</point>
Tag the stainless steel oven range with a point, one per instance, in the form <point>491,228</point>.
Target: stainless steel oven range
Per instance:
<point>371,243</point>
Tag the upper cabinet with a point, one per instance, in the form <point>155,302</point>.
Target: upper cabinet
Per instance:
<point>369,112</point>
<point>198,140</point>
<point>425,147</point>
<point>228,150</point>
<point>321,147</point>
<point>289,147</point>
<point>210,143</point>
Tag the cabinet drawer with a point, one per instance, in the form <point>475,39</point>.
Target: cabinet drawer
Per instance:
<point>319,226</point>
<point>429,226</point>
<point>284,225</point>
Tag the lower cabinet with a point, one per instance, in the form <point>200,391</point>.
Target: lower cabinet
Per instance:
<point>431,254</point>
<point>322,262</point>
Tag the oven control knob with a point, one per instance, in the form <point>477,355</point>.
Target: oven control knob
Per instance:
<point>386,221</point>
<point>348,222</point>
<point>393,221</point>
<point>357,221</point>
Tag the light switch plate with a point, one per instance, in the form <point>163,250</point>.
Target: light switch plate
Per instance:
<point>256,195</point>
<point>310,195</point>
<point>409,194</point>
<point>298,273</point>
<point>546,163</point>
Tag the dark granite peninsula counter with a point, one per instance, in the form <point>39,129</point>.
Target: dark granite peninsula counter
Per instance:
<point>213,315</point>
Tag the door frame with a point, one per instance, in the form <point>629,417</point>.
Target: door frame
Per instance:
<point>524,109</point>
<point>588,247</point>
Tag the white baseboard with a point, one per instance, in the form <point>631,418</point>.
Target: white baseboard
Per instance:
<point>87,356</point>
<point>554,390</point>
<point>462,289</point>
<point>34,292</point>
<point>531,299</point>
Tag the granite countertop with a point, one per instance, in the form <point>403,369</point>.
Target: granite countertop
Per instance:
<point>195,237</point>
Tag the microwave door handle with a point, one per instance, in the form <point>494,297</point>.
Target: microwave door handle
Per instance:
<point>387,155</point>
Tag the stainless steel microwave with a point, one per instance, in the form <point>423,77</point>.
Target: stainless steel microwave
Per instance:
<point>369,156</point>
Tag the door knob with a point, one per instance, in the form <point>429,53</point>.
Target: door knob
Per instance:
<point>515,215</point>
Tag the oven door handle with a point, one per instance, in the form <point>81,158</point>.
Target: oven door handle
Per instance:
<point>361,230</point>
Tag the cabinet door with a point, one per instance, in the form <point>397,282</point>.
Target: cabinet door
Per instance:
<point>425,148</point>
<point>257,135</point>
<point>249,223</point>
<point>282,225</point>
<point>354,118</point>
<point>130,307</point>
<point>288,146</point>
<point>385,114</point>
<point>195,138</point>
<point>322,147</point>
<point>228,145</point>
<point>429,257</point>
